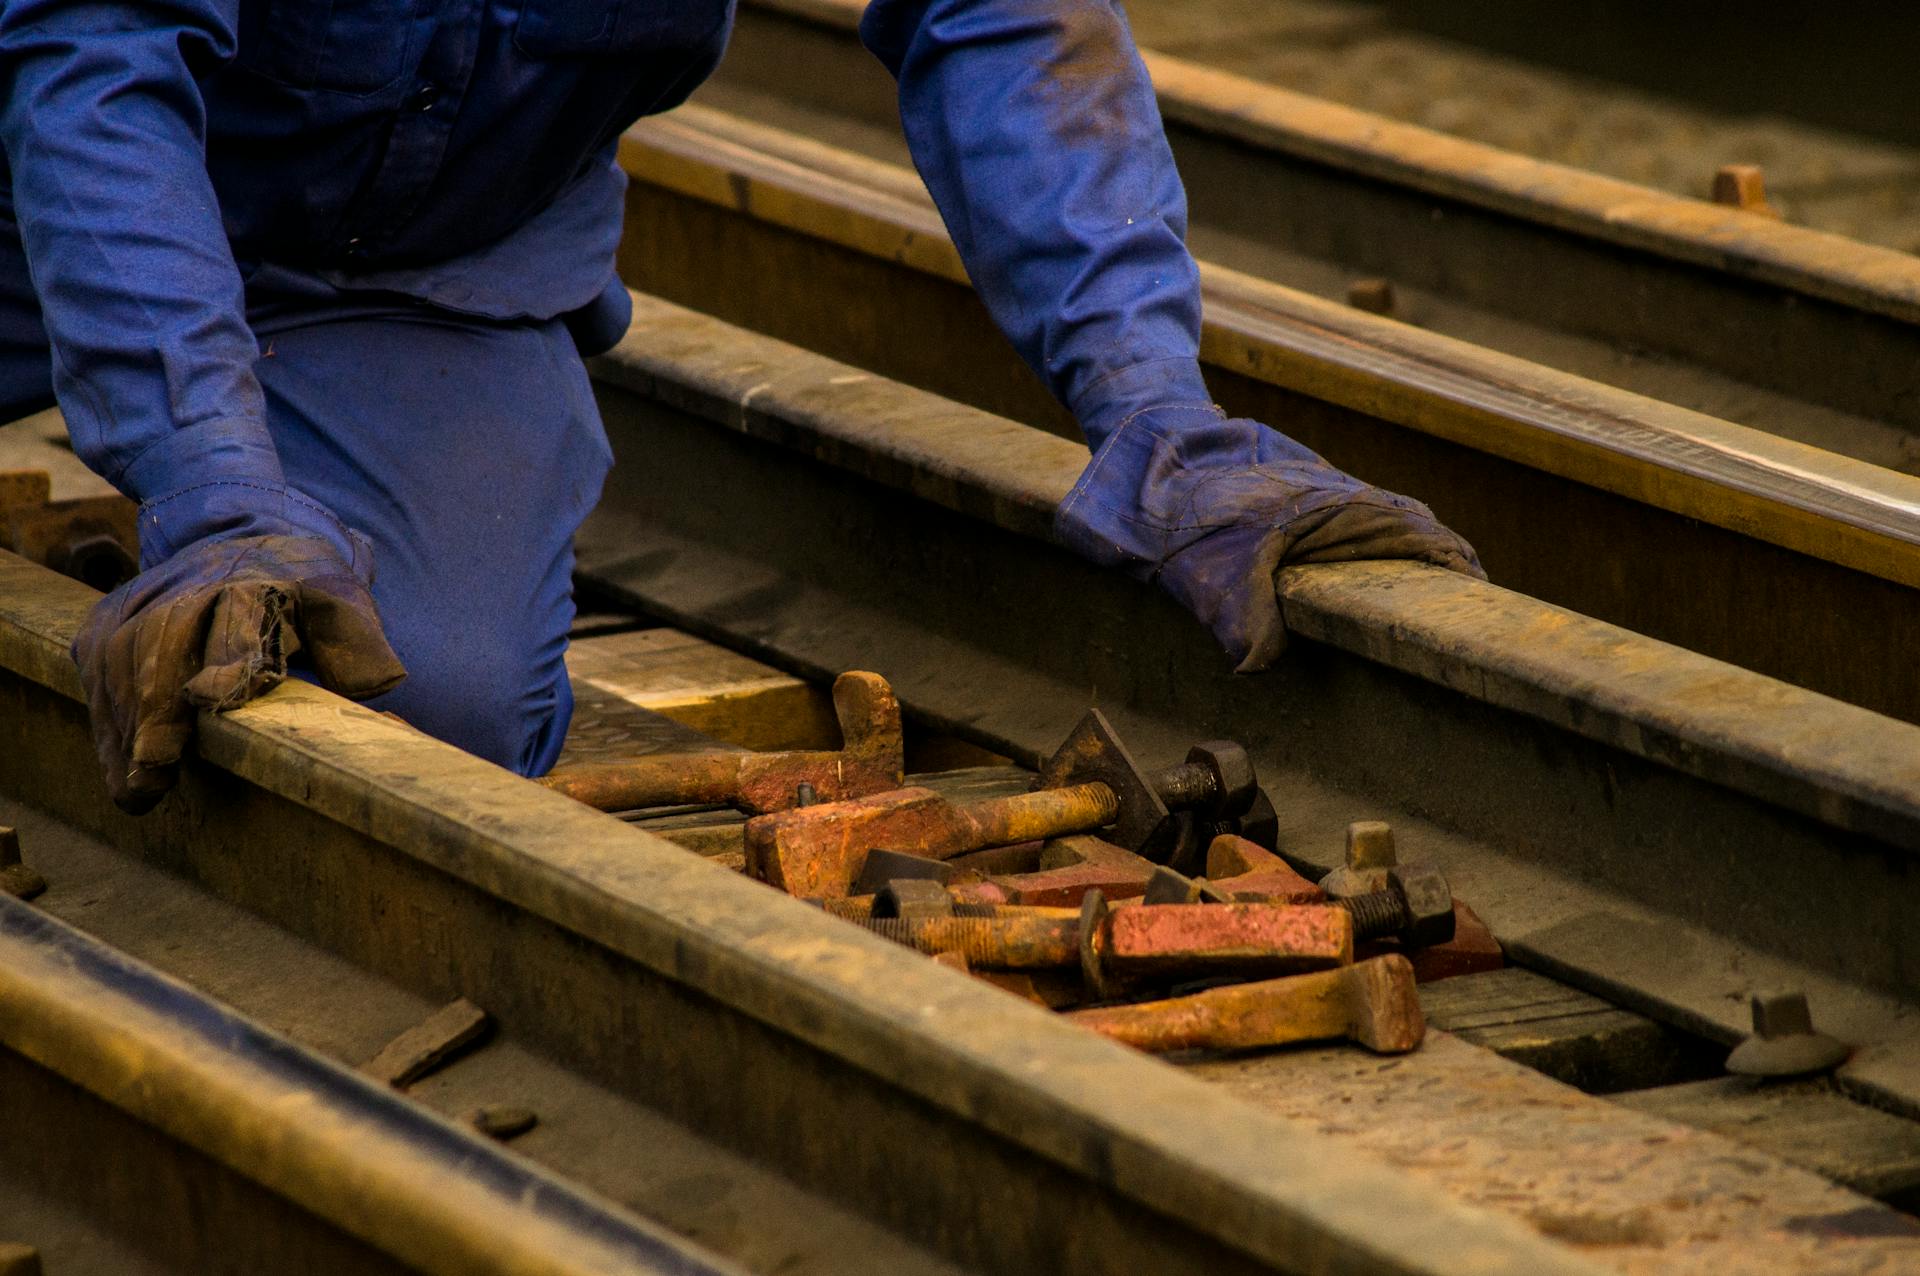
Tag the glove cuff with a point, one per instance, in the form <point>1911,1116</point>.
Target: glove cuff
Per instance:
<point>1106,405</point>
<point>226,510</point>
<point>236,449</point>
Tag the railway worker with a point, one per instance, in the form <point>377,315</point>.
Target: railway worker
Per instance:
<point>312,281</point>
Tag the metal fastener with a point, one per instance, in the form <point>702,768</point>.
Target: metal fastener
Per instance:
<point>1415,907</point>
<point>16,878</point>
<point>1372,1003</point>
<point>1784,1043</point>
<point>1743,186</point>
<point>1369,855</point>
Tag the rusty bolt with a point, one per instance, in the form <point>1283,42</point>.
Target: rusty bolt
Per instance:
<point>1167,815</point>
<point>1216,781</point>
<point>1372,1003</point>
<point>1027,941</point>
<point>1246,940</point>
<point>1225,939</point>
<point>1416,908</point>
<point>1369,855</point>
<point>1784,1043</point>
<point>820,851</point>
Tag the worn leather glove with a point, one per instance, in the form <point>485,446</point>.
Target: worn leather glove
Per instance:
<point>212,624</point>
<point>1212,508</point>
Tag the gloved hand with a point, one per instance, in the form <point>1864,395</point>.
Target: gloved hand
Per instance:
<point>1213,508</point>
<point>211,625</point>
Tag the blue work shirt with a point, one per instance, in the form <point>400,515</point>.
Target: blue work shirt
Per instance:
<point>169,164</point>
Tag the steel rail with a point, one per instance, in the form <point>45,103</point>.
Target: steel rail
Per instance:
<point>1633,816</point>
<point>420,1193</point>
<point>1485,239</point>
<point>1742,545</point>
<point>938,1106</point>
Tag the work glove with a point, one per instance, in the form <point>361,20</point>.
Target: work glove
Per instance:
<point>211,624</point>
<point>1212,508</point>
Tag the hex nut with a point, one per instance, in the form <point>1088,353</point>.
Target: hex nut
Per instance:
<point>912,899</point>
<point>1260,824</point>
<point>1233,775</point>
<point>1429,904</point>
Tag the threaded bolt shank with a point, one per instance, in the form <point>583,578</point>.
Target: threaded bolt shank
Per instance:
<point>1376,915</point>
<point>1011,943</point>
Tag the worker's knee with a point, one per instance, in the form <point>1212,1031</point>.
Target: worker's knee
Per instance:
<point>493,699</point>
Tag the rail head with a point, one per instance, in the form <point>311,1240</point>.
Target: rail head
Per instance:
<point>1834,762</point>
<point>1813,263</point>
<point>1166,1142</point>
<point>344,1148</point>
<point>1835,508</point>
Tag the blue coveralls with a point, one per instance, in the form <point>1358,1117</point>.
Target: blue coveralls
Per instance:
<point>357,248</point>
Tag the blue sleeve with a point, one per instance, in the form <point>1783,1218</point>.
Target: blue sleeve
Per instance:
<point>1035,127</point>
<point>104,130</point>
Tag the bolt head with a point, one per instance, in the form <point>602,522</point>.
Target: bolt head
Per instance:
<point>1429,904</point>
<point>1784,1042</point>
<point>1369,856</point>
<point>1370,845</point>
<point>1781,1014</point>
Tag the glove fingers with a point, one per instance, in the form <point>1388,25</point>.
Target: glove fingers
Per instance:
<point>112,736</point>
<point>245,648</point>
<point>344,639</point>
<point>1368,529</point>
<point>134,671</point>
<point>1226,581</point>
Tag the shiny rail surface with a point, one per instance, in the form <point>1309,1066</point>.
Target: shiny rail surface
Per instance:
<point>1770,554</point>
<point>1574,773</point>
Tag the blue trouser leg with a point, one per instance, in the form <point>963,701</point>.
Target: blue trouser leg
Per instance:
<point>469,453</point>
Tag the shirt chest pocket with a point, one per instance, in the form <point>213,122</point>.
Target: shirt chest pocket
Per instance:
<point>575,28</point>
<point>349,46</point>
